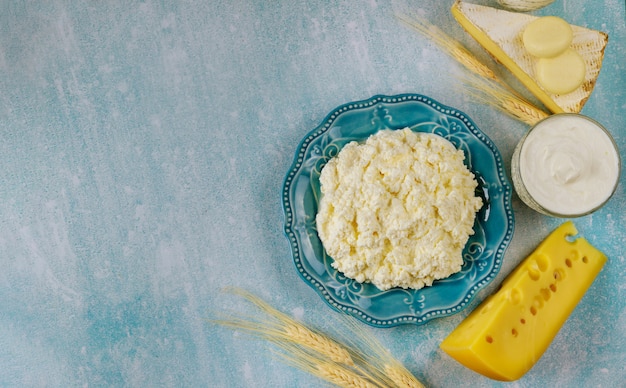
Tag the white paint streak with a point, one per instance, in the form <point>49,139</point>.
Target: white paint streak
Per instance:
<point>248,375</point>
<point>65,33</point>
<point>359,44</point>
<point>298,313</point>
<point>50,256</point>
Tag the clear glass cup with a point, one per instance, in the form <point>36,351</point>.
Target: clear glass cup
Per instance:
<point>567,165</point>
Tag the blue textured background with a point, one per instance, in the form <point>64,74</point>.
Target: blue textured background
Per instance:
<point>143,147</point>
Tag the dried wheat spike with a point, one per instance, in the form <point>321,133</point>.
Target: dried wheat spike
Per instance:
<point>402,377</point>
<point>342,377</point>
<point>302,336</point>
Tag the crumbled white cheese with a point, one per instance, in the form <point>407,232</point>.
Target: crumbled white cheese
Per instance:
<point>398,209</point>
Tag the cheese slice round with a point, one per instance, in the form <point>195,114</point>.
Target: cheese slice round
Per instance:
<point>547,37</point>
<point>561,74</point>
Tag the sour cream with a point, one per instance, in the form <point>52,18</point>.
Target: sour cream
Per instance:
<point>566,166</point>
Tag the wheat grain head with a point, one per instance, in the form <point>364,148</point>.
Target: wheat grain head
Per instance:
<point>283,329</point>
<point>502,98</point>
<point>401,377</point>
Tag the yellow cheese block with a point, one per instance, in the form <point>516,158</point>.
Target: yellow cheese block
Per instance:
<point>500,32</point>
<point>510,330</point>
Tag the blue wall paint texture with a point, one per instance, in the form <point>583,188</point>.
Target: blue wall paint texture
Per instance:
<point>143,146</point>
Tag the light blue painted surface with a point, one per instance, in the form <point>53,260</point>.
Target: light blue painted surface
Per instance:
<point>142,150</point>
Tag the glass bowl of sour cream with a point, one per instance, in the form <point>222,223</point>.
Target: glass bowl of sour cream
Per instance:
<point>567,165</point>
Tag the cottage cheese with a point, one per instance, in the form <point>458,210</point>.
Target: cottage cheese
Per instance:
<point>398,209</point>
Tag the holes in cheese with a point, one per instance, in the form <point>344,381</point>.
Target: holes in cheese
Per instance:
<point>505,336</point>
<point>559,273</point>
<point>515,296</point>
<point>542,262</point>
<point>533,273</point>
<point>545,294</point>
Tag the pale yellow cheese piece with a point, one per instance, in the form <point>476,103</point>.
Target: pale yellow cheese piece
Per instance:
<point>561,74</point>
<point>500,33</point>
<point>547,37</point>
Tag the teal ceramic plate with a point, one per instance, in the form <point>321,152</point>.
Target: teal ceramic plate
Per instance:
<point>483,253</point>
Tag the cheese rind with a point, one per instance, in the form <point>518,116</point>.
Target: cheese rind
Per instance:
<point>511,329</point>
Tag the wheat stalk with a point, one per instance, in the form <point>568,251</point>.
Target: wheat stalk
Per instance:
<point>282,329</point>
<point>505,100</point>
<point>523,111</point>
<point>282,334</point>
<point>360,361</point>
<point>342,377</point>
<point>379,358</point>
<point>319,343</point>
<point>334,372</point>
<point>492,90</point>
<point>401,377</point>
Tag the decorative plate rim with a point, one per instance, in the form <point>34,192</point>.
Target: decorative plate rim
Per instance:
<point>291,233</point>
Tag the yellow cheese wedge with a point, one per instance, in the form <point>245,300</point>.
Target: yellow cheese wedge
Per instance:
<point>500,33</point>
<point>510,330</point>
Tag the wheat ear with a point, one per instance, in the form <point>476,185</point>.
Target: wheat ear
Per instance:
<point>401,377</point>
<point>319,343</point>
<point>342,377</point>
<point>503,99</point>
<point>360,361</point>
<point>282,328</point>
<point>336,373</point>
<point>369,351</point>
<point>487,88</point>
